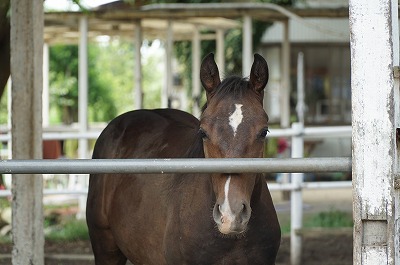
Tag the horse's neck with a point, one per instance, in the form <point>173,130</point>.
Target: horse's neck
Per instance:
<point>258,189</point>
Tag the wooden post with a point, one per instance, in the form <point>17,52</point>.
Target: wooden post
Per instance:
<point>27,82</point>
<point>373,122</point>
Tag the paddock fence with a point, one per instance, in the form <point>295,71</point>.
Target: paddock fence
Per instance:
<point>296,166</point>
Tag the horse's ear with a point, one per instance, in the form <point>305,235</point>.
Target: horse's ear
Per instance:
<point>209,74</point>
<point>259,73</point>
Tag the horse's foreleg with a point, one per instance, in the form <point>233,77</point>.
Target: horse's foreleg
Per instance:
<point>106,251</point>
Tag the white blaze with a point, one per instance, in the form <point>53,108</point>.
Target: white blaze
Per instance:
<point>236,118</point>
<point>225,209</point>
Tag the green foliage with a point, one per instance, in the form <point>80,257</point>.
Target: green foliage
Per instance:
<point>333,218</point>
<point>3,107</point>
<point>69,231</point>
<point>327,219</point>
<point>64,86</point>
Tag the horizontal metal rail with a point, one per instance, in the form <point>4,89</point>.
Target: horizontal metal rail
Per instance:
<point>310,185</point>
<point>146,166</point>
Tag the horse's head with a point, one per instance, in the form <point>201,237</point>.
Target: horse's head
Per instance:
<point>233,125</point>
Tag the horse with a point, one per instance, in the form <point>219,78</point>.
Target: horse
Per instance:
<point>191,218</point>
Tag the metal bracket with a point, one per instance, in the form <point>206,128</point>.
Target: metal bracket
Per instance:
<point>397,182</point>
<point>396,71</point>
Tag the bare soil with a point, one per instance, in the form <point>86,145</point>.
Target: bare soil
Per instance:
<point>317,250</point>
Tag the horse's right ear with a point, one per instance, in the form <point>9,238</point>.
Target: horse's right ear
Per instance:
<point>209,74</point>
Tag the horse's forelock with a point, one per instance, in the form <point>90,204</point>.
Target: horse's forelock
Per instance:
<point>233,86</point>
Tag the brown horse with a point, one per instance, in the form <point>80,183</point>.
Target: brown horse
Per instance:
<point>187,218</point>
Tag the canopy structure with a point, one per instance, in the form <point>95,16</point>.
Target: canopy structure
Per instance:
<point>174,22</point>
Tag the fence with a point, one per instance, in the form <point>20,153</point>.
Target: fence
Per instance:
<point>296,166</point>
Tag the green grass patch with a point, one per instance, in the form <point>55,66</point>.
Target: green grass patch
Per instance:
<point>333,218</point>
<point>327,219</point>
<point>70,230</point>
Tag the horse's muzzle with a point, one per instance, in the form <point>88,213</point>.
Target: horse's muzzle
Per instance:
<point>232,220</point>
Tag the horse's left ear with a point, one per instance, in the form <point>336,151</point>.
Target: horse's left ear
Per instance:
<point>259,73</point>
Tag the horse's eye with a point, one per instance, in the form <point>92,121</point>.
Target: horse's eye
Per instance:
<point>264,132</point>
<point>203,134</point>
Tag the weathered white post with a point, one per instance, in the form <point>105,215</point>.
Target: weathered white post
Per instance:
<point>373,122</point>
<point>396,62</point>
<point>27,82</point>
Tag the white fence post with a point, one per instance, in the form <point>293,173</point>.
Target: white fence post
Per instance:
<point>373,136</point>
<point>296,208</point>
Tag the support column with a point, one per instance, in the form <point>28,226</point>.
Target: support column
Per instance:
<point>196,90</point>
<point>46,92</point>
<point>220,51</point>
<point>373,137</point>
<point>285,89</point>
<point>247,56</point>
<point>83,92</point>
<point>27,82</point>
<point>138,66</point>
<point>83,85</point>
<point>168,66</point>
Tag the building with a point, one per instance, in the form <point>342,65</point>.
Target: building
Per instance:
<point>325,45</point>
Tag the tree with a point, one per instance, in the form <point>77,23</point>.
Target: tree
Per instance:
<point>4,44</point>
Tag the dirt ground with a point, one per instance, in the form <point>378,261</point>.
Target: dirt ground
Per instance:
<point>321,249</point>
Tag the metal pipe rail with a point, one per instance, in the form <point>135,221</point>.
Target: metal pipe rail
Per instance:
<point>205,165</point>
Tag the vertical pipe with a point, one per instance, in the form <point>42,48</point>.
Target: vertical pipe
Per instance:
<point>296,208</point>
<point>285,89</point>
<point>221,51</point>
<point>83,104</point>
<point>138,66</point>
<point>247,56</point>
<point>46,92</point>
<point>196,91</point>
<point>27,81</point>
<point>373,130</point>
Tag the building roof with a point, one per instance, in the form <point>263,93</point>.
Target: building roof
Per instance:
<point>117,19</point>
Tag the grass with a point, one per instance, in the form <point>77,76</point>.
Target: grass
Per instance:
<point>327,219</point>
<point>70,230</point>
